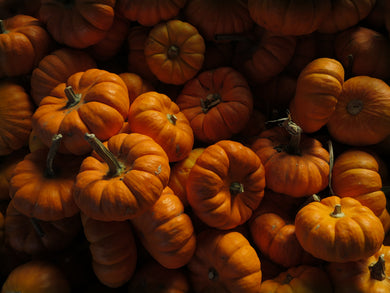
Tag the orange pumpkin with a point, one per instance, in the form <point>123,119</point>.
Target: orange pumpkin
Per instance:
<point>24,41</point>
<point>166,231</point>
<point>56,68</point>
<point>79,23</point>
<point>319,85</point>
<point>113,250</point>
<point>135,84</point>
<point>174,51</point>
<point>89,101</point>
<point>362,114</point>
<point>122,178</point>
<point>218,103</point>
<point>339,229</point>
<point>156,115</point>
<point>226,184</point>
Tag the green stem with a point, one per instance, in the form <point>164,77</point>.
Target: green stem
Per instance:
<point>172,118</point>
<point>2,27</point>
<point>236,188</point>
<point>73,98</point>
<point>55,143</point>
<point>115,167</point>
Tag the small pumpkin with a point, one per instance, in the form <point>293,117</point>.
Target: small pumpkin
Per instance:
<point>94,100</point>
<point>113,250</point>
<point>174,51</point>
<point>16,111</point>
<point>226,184</point>
<point>362,114</point>
<point>77,23</point>
<point>55,68</point>
<point>318,87</point>
<point>24,41</point>
<point>136,85</point>
<point>36,276</point>
<point>218,104</point>
<point>339,229</point>
<point>224,261</point>
<point>166,231</point>
<point>122,178</point>
<point>154,114</point>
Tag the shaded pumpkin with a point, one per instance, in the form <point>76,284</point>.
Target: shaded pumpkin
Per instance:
<point>135,84</point>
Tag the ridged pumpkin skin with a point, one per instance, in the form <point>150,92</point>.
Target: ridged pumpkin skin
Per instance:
<point>16,111</point>
<point>362,114</point>
<point>224,261</point>
<point>296,174</point>
<point>339,236</point>
<point>166,231</point>
<point>24,41</point>
<point>174,51</point>
<point>319,85</point>
<point>226,184</point>
<point>370,274</point>
<point>136,185</point>
<point>79,23</point>
<point>113,250</point>
<point>100,106</point>
<point>292,17</point>
<point>299,279</point>
<point>218,103</point>
<point>355,173</point>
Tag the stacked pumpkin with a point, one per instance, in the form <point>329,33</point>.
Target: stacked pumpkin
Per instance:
<point>236,146</point>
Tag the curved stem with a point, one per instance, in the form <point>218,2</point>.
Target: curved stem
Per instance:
<point>115,167</point>
<point>377,270</point>
<point>73,98</point>
<point>331,164</point>
<point>295,131</point>
<point>337,213</point>
<point>55,143</point>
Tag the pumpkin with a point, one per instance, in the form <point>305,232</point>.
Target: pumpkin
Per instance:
<point>289,17</point>
<point>295,164</point>
<point>174,51</point>
<point>345,14</point>
<point>179,174</point>
<point>364,51</point>
<point>94,100</point>
<point>362,114</point>
<point>369,274</point>
<point>264,55</point>
<point>113,250</point>
<point>226,184</point>
<point>135,84</point>
<point>24,41</point>
<point>166,231</point>
<point>214,18</point>
<point>55,68</point>
<point>153,277</point>
<point>122,177</point>
<point>338,229</point>
<point>319,85</point>
<point>298,279</point>
<point>218,104</point>
<point>149,12</point>
<point>41,185</point>
<point>16,111</point>
<point>36,237</point>
<point>156,115</point>
<point>355,173</point>
<point>36,276</point>
<point>9,8</point>
<point>77,23</point>
<point>224,261</point>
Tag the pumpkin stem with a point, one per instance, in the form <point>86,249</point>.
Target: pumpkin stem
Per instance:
<point>2,27</point>
<point>55,143</point>
<point>213,274</point>
<point>288,279</point>
<point>173,52</point>
<point>377,269</point>
<point>210,101</point>
<point>73,98</point>
<point>172,118</point>
<point>295,131</point>
<point>354,107</point>
<point>115,167</point>
<point>331,164</point>
<point>337,213</point>
<point>37,227</point>
<point>236,188</point>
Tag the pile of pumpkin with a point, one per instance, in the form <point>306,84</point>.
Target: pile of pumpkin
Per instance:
<point>194,146</point>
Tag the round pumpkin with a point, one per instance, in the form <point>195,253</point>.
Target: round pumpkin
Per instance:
<point>174,51</point>
<point>339,229</point>
<point>136,85</point>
